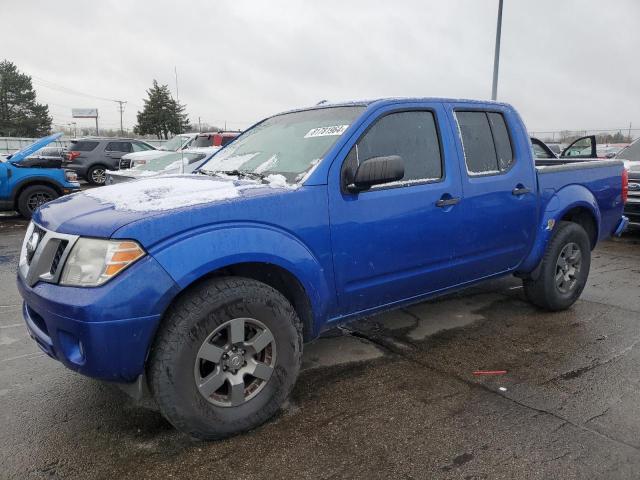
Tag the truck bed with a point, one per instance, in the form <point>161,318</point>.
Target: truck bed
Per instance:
<point>598,180</point>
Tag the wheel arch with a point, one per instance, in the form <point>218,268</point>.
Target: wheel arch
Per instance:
<point>261,252</point>
<point>22,186</point>
<point>574,203</point>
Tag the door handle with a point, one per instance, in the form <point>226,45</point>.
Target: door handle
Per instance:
<point>520,190</point>
<point>447,202</point>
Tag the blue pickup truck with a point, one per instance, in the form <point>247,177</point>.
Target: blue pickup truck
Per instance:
<point>203,288</point>
<point>24,188</point>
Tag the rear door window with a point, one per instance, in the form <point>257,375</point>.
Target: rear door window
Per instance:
<point>118,147</point>
<point>83,146</point>
<point>486,142</point>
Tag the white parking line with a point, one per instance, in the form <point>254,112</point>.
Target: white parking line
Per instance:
<point>13,325</point>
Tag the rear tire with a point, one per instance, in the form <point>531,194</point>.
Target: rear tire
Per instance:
<point>211,338</point>
<point>97,175</point>
<point>33,197</point>
<point>564,269</point>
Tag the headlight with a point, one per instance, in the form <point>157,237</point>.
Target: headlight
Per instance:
<point>92,261</point>
<point>135,163</point>
<point>70,176</point>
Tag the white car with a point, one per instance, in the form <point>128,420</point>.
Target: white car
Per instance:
<point>176,144</point>
<point>167,163</point>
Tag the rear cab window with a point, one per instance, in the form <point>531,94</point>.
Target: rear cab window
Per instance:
<point>485,141</point>
<point>83,146</point>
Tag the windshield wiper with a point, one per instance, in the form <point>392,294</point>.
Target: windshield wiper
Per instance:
<point>235,173</point>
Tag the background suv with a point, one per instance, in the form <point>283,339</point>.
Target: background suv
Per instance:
<point>90,158</point>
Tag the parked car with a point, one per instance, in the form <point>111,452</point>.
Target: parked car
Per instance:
<point>24,188</point>
<point>582,149</point>
<point>630,155</point>
<point>90,158</point>
<point>632,207</point>
<point>168,163</point>
<point>213,139</point>
<point>204,287</point>
<point>48,157</point>
<point>176,144</point>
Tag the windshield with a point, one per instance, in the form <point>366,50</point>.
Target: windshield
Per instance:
<point>289,144</point>
<point>630,152</point>
<point>174,144</point>
<point>161,163</point>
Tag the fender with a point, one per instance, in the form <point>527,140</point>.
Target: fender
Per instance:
<point>196,253</point>
<point>559,204</point>
<point>37,180</point>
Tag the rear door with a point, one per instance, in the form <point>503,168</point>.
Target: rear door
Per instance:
<point>499,184</point>
<point>398,240</point>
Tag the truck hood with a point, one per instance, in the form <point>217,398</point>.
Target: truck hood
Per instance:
<point>33,147</point>
<point>99,212</point>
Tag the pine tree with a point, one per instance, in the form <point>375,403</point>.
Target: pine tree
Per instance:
<point>161,115</point>
<point>20,114</point>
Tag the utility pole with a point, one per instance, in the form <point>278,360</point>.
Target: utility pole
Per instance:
<point>97,130</point>
<point>199,126</point>
<point>629,131</point>
<point>496,56</point>
<point>121,105</point>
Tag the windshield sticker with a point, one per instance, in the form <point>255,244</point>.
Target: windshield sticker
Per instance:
<point>326,131</point>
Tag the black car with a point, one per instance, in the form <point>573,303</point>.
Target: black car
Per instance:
<point>49,157</point>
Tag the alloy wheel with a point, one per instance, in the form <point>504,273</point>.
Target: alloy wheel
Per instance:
<point>235,362</point>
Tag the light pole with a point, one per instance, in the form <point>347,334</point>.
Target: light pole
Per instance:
<point>496,56</point>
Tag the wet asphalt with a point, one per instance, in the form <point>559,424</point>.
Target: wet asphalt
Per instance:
<point>391,397</point>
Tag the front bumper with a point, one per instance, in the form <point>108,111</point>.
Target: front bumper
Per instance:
<point>103,332</point>
<point>632,209</point>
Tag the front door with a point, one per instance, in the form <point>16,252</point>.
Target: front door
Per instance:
<point>396,241</point>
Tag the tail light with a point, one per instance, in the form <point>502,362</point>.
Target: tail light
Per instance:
<point>72,155</point>
<point>625,185</point>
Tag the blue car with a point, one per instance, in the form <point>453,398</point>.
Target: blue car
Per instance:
<point>201,289</point>
<point>25,188</point>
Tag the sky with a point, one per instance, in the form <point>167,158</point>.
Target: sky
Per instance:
<point>568,64</point>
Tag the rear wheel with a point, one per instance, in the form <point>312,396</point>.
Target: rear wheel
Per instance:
<point>564,269</point>
<point>97,175</point>
<point>226,357</point>
<point>33,197</point>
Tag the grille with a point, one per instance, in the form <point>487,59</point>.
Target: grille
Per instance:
<point>58,256</point>
<point>32,250</point>
<point>125,163</point>
<point>42,262</point>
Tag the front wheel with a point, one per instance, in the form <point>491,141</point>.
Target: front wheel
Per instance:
<point>226,357</point>
<point>564,269</point>
<point>33,197</point>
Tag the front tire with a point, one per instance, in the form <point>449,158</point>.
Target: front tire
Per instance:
<point>97,175</point>
<point>225,358</point>
<point>33,197</point>
<point>564,269</point>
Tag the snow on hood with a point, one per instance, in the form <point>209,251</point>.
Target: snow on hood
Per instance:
<point>176,191</point>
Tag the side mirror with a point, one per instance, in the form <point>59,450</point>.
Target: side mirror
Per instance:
<point>376,171</point>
